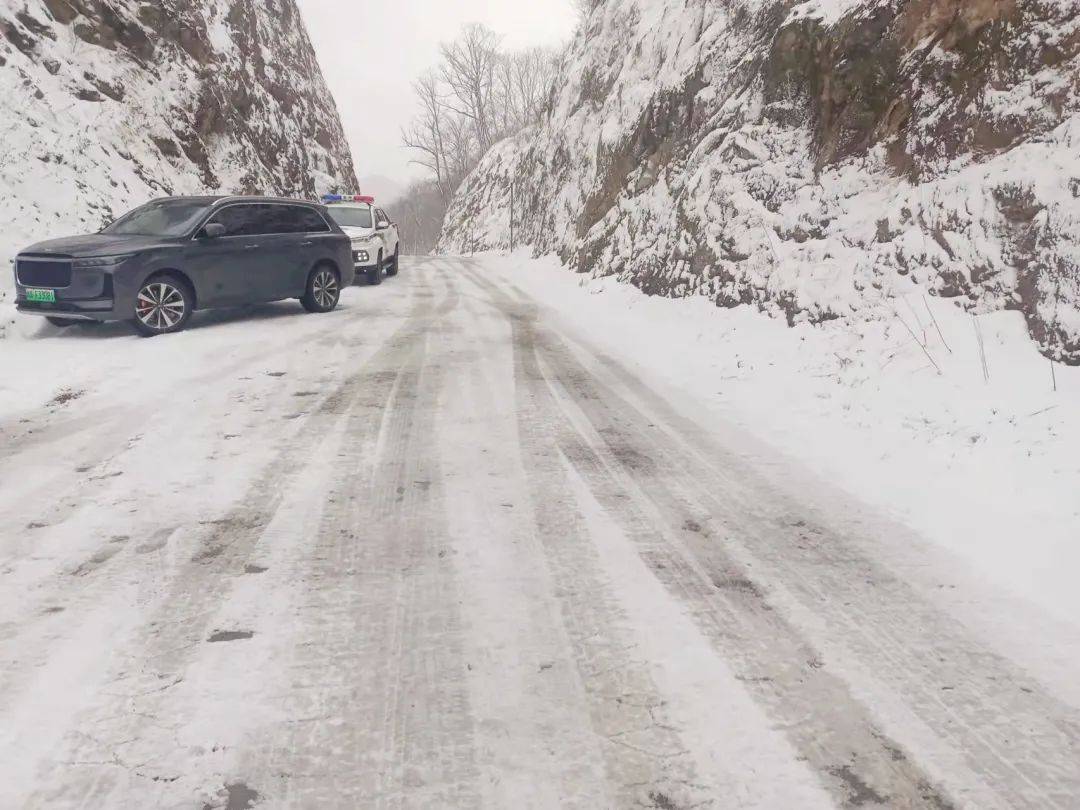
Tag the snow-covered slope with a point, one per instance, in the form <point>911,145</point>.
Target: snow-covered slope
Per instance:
<point>108,103</point>
<point>815,159</point>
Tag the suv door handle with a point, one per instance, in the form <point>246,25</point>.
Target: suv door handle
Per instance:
<point>250,247</point>
<point>308,243</point>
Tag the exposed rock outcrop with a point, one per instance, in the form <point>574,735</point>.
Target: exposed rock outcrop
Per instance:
<point>814,159</point>
<point>108,103</point>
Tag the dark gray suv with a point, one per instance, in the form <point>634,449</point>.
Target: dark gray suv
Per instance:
<point>161,262</point>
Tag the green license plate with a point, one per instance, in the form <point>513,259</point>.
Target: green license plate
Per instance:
<point>41,296</point>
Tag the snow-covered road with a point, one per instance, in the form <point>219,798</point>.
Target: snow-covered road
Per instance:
<point>439,550</point>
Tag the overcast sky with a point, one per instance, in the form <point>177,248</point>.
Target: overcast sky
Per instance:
<point>371,50</point>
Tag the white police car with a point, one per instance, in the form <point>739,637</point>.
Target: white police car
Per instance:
<point>376,245</point>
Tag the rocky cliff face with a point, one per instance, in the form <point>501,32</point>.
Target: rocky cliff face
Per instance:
<point>108,103</point>
<point>817,159</point>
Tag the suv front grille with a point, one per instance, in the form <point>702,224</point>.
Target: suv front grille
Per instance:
<point>51,272</point>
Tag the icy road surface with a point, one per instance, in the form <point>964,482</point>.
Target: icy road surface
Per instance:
<point>436,551</point>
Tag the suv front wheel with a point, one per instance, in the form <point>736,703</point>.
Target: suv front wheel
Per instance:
<point>323,290</point>
<point>163,305</point>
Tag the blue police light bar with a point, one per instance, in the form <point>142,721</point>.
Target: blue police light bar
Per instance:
<point>360,198</point>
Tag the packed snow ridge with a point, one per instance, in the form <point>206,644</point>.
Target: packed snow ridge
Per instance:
<point>817,160</point>
<point>109,104</point>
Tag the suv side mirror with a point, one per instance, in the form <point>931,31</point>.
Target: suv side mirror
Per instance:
<point>382,225</point>
<point>213,230</point>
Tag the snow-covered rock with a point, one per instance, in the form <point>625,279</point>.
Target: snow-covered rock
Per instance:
<point>816,159</point>
<point>109,103</point>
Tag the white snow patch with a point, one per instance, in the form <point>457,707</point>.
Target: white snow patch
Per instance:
<point>828,11</point>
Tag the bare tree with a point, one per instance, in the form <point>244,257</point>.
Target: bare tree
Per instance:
<point>420,214</point>
<point>504,96</point>
<point>468,70</point>
<point>477,96</point>
<point>534,72</point>
<point>461,148</point>
<point>425,134</point>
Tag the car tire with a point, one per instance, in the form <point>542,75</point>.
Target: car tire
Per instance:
<point>393,268</point>
<point>374,275</point>
<point>61,323</point>
<point>163,305</point>
<point>323,291</point>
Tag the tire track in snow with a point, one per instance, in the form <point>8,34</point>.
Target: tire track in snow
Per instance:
<point>532,726</point>
<point>377,707</point>
<point>1012,744</point>
<point>109,430</point>
<point>102,446</point>
<point>828,726</point>
<point>99,766</point>
<point>646,762</point>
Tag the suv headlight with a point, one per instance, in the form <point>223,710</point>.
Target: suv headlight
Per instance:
<point>102,261</point>
<point>361,241</point>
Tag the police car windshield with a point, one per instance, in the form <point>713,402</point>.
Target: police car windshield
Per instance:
<point>159,218</point>
<point>351,217</point>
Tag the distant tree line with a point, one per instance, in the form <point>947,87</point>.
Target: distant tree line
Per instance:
<point>420,212</point>
<point>479,94</point>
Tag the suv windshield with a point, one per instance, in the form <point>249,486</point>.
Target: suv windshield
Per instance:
<point>159,218</point>
<point>351,217</point>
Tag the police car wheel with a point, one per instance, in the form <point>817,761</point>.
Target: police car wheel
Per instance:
<point>374,275</point>
<point>393,267</point>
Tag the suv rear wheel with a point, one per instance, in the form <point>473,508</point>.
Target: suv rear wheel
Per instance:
<point>163,305</point>
<point>323,290</point>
